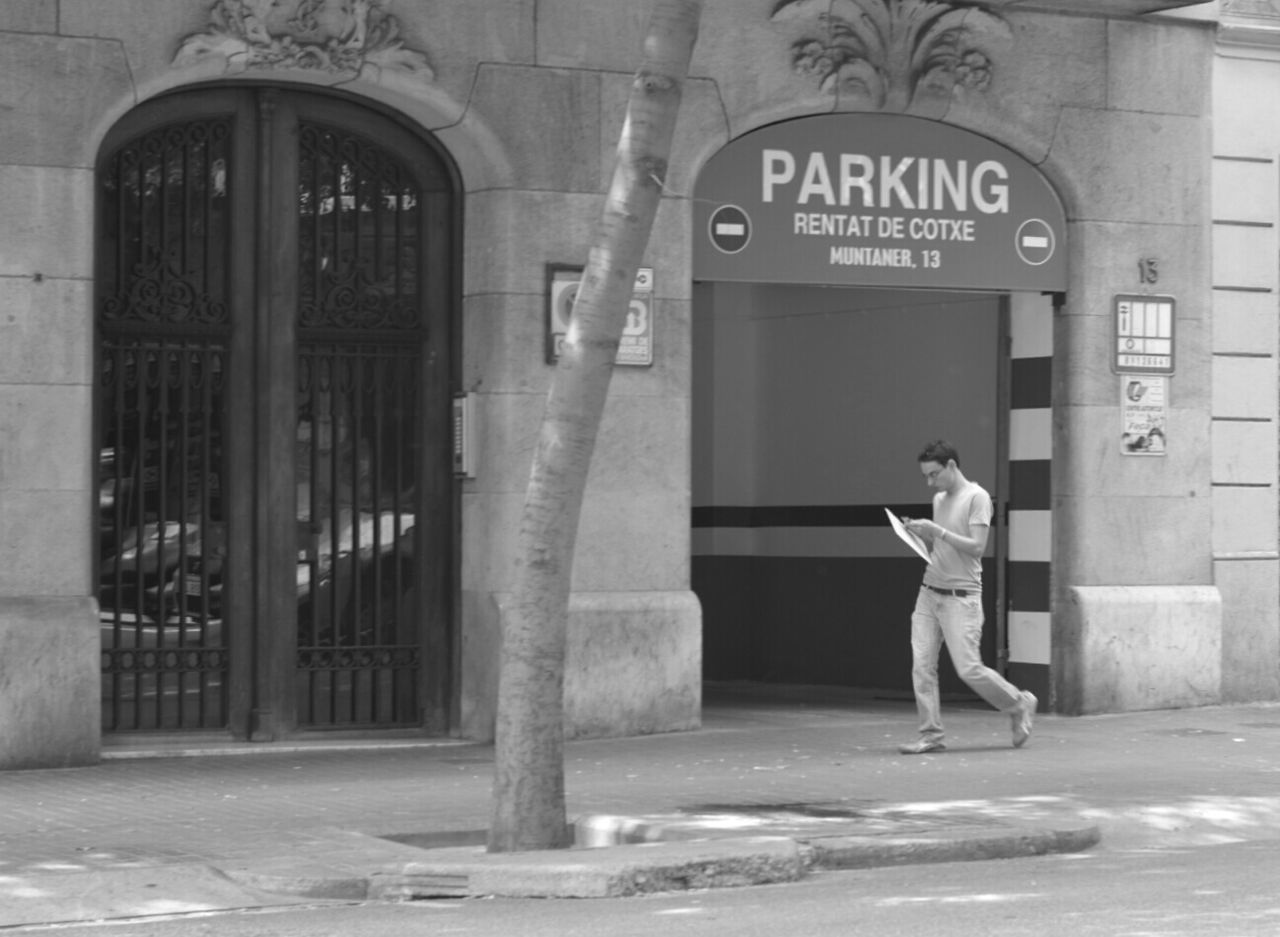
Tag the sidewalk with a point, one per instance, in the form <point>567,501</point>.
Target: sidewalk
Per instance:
<point>773,786</point>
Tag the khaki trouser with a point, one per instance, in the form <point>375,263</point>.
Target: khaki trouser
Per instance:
<point>957,620</point>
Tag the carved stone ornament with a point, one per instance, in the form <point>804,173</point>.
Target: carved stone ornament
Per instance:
<point>337,36</point>
<point>894,52</point>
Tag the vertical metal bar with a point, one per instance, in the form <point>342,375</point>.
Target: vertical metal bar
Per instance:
<point>181,358</point>
<point>313,512</point>
<point>340,184</point>
<point>407,426</point>
<point>139,519</point>
<point>397,239</point>
<point>357,359</point>
<point>122,494</point>
<point>376,372</point>
<point>377,210</point>
<point>349,155</point>
<point>184,483</point>
<point>175,386</point>
<point>184,198</point>
<point>352,605</point>
<point>190,525</point>
<point>413,632</point>
<point>138,468</point>
<point>335,520</point>
<point>204,211</point>
<point>356,604</point>
<point>312,165</point>
<point>311,197</point>
<point>164,359</point>
<point>335,166</point>
<point>208,543</point>
<point>265,716</point>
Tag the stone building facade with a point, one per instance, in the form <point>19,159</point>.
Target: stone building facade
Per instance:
<point>281,284</point>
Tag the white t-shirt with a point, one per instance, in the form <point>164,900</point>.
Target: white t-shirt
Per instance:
<point>959,513</point>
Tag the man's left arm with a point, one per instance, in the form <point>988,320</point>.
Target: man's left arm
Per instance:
<point>979,530</point>
<point>975,544</point>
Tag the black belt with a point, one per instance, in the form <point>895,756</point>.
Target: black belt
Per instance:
<point>958,593</point>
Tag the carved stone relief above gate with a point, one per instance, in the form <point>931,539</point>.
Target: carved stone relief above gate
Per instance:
<point>341,37</point>
<point>894,52</point>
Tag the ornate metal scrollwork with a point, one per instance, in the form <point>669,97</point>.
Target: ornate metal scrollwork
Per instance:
<point>352,297</point>
<point>159,292</point>
<point>358,235</point>
<point>895,51</point>
<point>165,207</point>
<point>340,36</point>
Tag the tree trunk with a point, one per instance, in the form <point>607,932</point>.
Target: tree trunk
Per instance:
<point>528,790</point>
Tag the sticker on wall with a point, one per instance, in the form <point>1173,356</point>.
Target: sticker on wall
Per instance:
<point>1144,414</point>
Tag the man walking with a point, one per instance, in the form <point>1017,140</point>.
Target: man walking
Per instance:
<point>949,605</point>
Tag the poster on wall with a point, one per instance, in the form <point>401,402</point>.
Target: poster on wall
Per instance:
<point>1144,414</point>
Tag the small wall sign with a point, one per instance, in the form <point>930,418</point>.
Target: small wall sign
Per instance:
<point>636,345</point>
<point>1144,334</point>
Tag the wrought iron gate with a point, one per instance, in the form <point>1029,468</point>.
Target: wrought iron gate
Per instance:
<point>163,535</point>
<point>183,388</point>
<point>357,652</point>
<point>163,322</point>
<point>359,324</point>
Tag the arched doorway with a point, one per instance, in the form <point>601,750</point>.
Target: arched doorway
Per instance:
<point>863,283</point>
<point>275,295</point>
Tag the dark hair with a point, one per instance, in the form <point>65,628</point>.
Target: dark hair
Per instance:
<point>939,451</point>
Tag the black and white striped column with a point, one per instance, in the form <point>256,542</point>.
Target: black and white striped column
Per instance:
<point>1030,514</point>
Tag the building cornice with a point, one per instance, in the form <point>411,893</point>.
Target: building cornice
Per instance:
<point>1253,23</point>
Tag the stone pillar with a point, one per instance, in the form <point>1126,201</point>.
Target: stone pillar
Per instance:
<point>1246,210</point>
<point>1137,615</point>
<point>49,670</point>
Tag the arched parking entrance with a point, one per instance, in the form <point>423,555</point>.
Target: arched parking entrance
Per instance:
<point>866,282</point>
<point>275,296</point>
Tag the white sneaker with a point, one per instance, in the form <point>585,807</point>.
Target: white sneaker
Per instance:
<point>1023,717</point>
<point>923,747</point>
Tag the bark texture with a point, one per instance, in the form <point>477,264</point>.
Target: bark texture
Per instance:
<point>528,791</point>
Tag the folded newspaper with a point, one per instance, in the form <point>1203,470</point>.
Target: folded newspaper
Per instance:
<point>908,537</point>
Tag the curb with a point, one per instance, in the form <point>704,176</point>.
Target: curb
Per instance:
<point>644,868</point>
<point>961,845</point>
<point>604,872</point>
